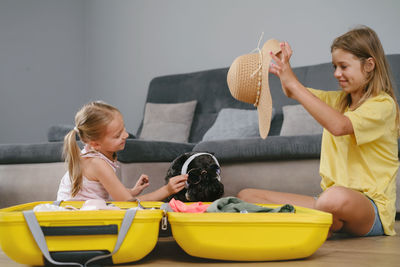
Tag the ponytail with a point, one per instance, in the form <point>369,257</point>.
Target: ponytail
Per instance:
<point>71,153</point>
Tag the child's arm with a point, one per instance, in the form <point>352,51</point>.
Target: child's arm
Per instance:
<point>98,170</point>
<point>331,119</point>
<point>174,185</point>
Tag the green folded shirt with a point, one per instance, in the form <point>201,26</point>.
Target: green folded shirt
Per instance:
<point>233,204</point>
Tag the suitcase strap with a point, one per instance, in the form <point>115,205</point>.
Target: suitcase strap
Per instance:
<point>40,240</point>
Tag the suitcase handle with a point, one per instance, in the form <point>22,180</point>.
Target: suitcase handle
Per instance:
<point>111,229</point>
<point>38,235</point>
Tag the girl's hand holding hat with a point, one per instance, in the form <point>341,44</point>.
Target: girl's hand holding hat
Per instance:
<point>283,70</point>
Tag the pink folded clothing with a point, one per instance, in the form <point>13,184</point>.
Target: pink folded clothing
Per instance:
<point>179,206</point>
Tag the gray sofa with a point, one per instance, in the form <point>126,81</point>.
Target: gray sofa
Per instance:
<point>31,172</point>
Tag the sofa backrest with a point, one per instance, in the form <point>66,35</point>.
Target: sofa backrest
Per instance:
<point>211,91</point>
<point>208,87</point>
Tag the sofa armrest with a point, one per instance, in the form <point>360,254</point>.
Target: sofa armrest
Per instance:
<point>272,148</point>
<point>31,153</point>
<point>139,150</point>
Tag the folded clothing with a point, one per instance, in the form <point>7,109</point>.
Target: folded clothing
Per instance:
<point>90,204</point>
<point>49,207</point>
<point>98,204</point>
<point>179,206</point>
<point>233,204</point>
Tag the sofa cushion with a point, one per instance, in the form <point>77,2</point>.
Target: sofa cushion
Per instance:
<point>272,148</point>
<point>297,121</point>
<point>168,122</point>
<point>234,124</point>
<point>137,150</point>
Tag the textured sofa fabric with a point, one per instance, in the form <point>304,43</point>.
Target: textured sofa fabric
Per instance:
<point>282,163</point>
<point>56,133</point>
<point>31,153</point>
<point>256,149</point>
<point>137,150</point>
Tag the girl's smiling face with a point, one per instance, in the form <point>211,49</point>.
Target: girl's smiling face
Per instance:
<point>349,71</point>
<point>115,136</point>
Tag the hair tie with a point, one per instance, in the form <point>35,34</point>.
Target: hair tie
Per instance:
<point>76,130</point>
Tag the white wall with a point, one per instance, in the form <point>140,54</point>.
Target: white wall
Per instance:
<point>111,50</point>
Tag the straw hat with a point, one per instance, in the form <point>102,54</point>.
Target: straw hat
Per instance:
<point>248,82</point>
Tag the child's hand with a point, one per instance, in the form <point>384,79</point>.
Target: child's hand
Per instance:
<point>140,185</point>
<point>283,70</point>
<point>176,183</point>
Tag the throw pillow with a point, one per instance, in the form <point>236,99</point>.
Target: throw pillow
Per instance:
<point>234,124</point>
<point>297,121</point>
<point>168,122</point>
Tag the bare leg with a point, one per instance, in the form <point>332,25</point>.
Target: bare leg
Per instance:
<point>352,211</point>
<point>266,196</point>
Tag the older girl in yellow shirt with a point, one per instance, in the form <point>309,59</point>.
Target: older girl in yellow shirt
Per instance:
<point>359,152</point>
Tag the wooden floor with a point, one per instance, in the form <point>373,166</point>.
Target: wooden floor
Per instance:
<point>339,251</point>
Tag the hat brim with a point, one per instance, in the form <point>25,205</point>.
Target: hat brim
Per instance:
<point>264,107</point>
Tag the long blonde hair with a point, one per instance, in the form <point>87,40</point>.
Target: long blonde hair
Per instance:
<point>363,42</point>
<point>90,124</point>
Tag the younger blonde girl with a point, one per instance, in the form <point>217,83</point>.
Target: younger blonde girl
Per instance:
<point>91,172</point>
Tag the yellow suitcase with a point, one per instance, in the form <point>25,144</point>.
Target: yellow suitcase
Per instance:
<point>251,236</point>
<point>110,236</point>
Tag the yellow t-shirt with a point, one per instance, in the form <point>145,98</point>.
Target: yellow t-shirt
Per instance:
<point>366,161</point>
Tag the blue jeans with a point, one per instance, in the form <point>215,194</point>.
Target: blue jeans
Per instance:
<point>376,228</point>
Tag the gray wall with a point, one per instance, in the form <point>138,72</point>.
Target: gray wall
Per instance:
<point>42,72</point>
<point>57,55</point>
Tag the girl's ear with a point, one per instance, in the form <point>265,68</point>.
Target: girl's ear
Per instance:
<point>369,65</point>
